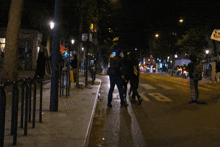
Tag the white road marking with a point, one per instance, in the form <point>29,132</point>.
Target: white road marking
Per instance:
<point>159,97</point>
<point>164,86</point>
<point>144,97</point>
<point>147,86</point>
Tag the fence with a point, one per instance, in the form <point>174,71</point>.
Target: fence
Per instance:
<point>25,106</point>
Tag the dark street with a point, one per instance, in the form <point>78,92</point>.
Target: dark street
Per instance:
<point>165,117</point>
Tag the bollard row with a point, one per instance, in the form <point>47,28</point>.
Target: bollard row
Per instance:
<point>65,83</point>
<point>26,103</point>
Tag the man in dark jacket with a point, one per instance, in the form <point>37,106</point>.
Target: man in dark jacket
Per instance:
<point>115,75</point>
<point>193,81</point>
<point>127,71</point>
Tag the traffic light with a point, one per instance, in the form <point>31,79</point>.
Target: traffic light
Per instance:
<point>148,59</point>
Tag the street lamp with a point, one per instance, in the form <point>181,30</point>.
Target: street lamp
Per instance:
<point>207,52</point>
<point>52,25</point>
<point>72,41</point>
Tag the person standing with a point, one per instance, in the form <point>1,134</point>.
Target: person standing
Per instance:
<point>134,81</point>
<point>73,64</point>
<point>115,76</point>
<point>195,75</point>
<point>127,71</point>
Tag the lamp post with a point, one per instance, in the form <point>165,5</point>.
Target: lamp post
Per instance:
<point>55,58</point>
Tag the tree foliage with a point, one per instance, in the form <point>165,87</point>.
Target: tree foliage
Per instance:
<point>193,41</point>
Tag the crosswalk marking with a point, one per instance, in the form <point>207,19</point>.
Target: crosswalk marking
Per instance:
<point>147,86</point>
<point>144,97</point>
<point>164,86</point>
<point>159,97</point>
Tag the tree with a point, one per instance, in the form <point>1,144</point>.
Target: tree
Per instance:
<point>194,41</point>
<point>10,65</point>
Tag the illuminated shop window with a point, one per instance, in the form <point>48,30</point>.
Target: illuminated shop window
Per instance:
<point>2,44</point>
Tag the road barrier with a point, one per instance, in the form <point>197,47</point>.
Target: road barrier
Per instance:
<point>25,104</point>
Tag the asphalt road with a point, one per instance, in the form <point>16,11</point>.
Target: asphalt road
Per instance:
<point>165,117</point>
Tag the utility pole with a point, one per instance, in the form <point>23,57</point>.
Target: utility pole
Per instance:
<point>55,58</point>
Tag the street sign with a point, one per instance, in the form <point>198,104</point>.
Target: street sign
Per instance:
<point>215,35</point>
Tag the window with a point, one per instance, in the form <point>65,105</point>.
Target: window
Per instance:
<point>2,44</point>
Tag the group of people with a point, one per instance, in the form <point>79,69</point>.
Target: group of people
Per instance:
<point>122,71</point>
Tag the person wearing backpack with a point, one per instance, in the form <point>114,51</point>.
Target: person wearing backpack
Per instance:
<point>115,76</point>
<point>195,74</point>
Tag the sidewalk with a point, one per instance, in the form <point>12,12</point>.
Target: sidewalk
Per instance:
<point>70,126</point>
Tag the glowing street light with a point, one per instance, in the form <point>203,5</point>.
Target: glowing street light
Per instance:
<point>207,51</point>
<point>72,41</point>
<point>52,25</point>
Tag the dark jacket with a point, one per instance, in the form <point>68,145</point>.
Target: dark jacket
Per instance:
<point>115,66</point>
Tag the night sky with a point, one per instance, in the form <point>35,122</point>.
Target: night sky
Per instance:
<point>138,19</point>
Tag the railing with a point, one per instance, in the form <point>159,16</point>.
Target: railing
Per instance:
<point>25,104</point>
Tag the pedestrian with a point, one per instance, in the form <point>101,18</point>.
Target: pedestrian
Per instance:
<point>134,80</point>
<point>115,76</point>
<point>41,62</point>
<point>127,71</point>
<point>195,74</point>
<point>73,64</point>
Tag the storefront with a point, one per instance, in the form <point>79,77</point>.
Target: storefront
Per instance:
<point>28,48</point>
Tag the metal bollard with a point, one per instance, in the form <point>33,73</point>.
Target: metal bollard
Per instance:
<point>34,106</point>
<point>30,88</point>
<point>15,114</point>
<point>26,110</point>
<point>66,83</point>
<point>13,108</point>
<point>22,104</point>
<point>41,97</point>
<point>2,115</point>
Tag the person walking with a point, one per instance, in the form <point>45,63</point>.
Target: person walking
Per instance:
<point>127,71</point>
<point>134,80</point>
<point>195,74</point>
<point>115,76</point>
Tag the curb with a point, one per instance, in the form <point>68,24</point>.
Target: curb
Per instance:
<point>86,142</point>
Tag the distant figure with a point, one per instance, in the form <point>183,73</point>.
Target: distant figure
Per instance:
<point>41,62</point>
<point>195,74</point>
<point>73,64</point>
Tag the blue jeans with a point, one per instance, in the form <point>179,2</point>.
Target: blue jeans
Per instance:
<point>119,82</point>
<point>194,85</point>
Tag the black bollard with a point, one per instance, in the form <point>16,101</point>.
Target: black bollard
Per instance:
<point>15,114</point>
<point>13,108</point>
<point>26,110</point>
<point>22,104</point>
<point>30,88</point>
<point>2,115</point>
<point>41,97</point>
<point>34,105</point>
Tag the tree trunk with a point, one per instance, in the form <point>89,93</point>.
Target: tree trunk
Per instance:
<point>10,69</point>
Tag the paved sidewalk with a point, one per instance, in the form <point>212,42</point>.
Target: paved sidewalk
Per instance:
<point>69,127</point>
